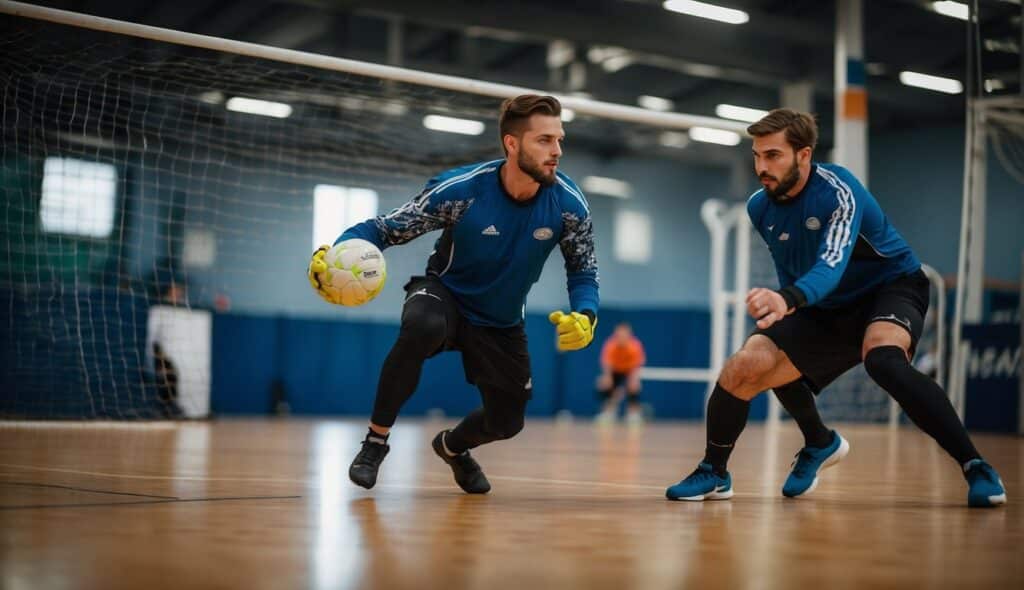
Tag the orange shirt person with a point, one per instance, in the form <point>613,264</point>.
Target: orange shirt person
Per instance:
<point>621,358</point>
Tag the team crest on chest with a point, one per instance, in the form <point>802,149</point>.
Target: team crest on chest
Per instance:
<point>812,224</point>
<point>543,233</point>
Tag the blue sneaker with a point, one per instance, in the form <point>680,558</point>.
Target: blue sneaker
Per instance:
<point>702,484</point>
<point>804,476</point>
<point>986,489</point>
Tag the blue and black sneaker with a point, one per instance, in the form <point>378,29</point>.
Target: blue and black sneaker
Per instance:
<point>702,484</point>
<point>986,489</point>
<point>804,476</point>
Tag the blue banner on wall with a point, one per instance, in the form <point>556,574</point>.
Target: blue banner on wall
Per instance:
<point>993,372</point>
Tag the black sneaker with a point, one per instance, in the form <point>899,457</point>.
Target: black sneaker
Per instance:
<point>467,471</point>
<point>363,471</point>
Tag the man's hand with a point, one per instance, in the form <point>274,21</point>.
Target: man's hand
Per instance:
<point>766,306</point>
<point>575,330</point>
<point>316,266</point>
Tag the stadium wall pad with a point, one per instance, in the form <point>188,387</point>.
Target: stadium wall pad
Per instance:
<point>331,367</point>
<point>80,354</point>
<point>78,363</point>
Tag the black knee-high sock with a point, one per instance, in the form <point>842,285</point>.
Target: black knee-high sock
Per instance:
<point>798,400</point>
<point>727,416</point>
<point>470,433</point>
<point>922,399</point>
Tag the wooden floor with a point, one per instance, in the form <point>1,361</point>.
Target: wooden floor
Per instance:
<point>267,504</point>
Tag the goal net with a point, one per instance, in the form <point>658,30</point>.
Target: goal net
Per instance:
<point>147,183</point>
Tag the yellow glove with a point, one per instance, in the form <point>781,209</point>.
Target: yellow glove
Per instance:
<point>574,329</point>
<point>317,265</point>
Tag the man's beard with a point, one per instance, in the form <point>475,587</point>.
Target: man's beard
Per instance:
<point>535,170</point>
<point>785,185</point>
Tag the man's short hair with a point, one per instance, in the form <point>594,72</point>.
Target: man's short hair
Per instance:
<point>801,129</point>
<point>516,111</point>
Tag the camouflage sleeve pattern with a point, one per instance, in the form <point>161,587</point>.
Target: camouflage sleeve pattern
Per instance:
<point>577,244</point>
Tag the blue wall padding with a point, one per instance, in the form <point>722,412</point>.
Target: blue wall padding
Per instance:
<point>331,367</point>
<point>62,357</point>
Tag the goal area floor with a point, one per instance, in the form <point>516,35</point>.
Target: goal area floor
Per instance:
<point>263,503</point>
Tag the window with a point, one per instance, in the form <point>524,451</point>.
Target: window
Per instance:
<point>200,248</point>
<point>78,197</point>
<point>336,208</point>
<point>633,237</point>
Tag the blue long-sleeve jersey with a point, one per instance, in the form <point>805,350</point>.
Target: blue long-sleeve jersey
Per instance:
<point>831,241</point>
<point>492,248</point>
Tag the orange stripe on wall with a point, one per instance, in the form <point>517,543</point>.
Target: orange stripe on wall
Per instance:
<point>855,104</point>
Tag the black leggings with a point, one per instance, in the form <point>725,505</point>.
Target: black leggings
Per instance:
<point>423,334</point>
<point>495,359</point>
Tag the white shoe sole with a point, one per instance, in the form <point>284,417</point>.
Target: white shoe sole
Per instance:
<point>836,457</point>
<point>708,496</point>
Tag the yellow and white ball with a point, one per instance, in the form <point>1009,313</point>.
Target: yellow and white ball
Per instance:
<point>355,272</point>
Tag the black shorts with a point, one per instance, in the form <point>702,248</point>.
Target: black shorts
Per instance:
<point>618,380</point>
<point>824,343</point>
<point>493,359</point>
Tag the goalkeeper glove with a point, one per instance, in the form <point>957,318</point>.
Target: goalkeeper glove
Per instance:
<point>316,266</point>
<point>575,330</point>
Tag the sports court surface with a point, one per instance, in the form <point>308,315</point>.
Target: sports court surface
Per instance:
<point>267,504</point>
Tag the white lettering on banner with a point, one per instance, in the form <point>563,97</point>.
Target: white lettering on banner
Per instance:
<point>993,362</point>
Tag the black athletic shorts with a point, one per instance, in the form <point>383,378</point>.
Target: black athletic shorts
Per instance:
<point>618,380</point>
<point>824,343</point>
<point>493,359</point>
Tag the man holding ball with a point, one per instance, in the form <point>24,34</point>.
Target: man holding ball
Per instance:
<point>500,220</point>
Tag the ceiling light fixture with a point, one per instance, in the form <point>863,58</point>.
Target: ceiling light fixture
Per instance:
<point>953,9</point>
<point>929,82</point>
<point>708,11</point>
<point>610,187</point>
<point>719,136</point>
<point>655,103</point>
<point>453,125</point>
<point>253,106</point>
<point>731,111</point>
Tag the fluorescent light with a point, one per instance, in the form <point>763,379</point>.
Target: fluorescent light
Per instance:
<point>674,139</point>
<point>568,115</point>
<point>705,10</point>
<point>953,9</point>
<point>599,53</point>
<point>936,83</point>
<point>655,103</point>
<point>993,84</point>
<point>395,109</point>
<point>453,125</point>
<point>616,63</point>
<point>1002,46</point>
<point>731,111</point>
<point>212,97</point>
<point>560,53</point>
<point>719,136</point>
<point>254,106</point>
<point>611,187</point>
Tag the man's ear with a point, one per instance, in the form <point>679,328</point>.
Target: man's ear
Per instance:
<point>804,155</point>
<point>511,143</point>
